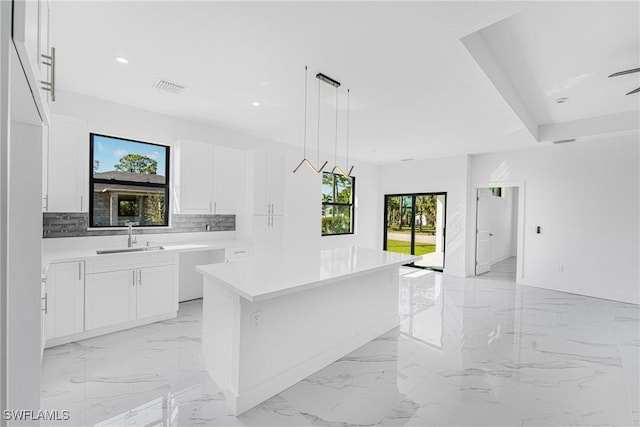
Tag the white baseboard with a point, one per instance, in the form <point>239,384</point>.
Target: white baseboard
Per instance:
<point>52,342</point>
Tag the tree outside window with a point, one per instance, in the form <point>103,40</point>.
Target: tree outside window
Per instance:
<point>337,204</point>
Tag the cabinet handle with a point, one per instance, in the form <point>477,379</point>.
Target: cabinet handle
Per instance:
<point>46,303</point>
<point>133,281</point>
<point>46,203</point>
<point>50,60</point>
<point>79,271</point>
<point>210,207</point>
<point>140,277</point>
<point>81,203</point>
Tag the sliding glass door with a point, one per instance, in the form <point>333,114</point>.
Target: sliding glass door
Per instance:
<point>415,224</point>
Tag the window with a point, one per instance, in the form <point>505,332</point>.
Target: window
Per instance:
<point>337,204</point>
<point>129,182</point>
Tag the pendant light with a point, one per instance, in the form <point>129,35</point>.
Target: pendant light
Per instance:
<point>305,160</point>
<point>337,168</point>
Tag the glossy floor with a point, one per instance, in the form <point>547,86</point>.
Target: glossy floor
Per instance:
<point>477,351</point>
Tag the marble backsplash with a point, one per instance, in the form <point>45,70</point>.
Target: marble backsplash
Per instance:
<point>73,224</point>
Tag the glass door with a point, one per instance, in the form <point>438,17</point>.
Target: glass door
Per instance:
<point>415,224</point>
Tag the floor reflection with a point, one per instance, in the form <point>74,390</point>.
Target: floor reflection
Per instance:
<point>475,351</point>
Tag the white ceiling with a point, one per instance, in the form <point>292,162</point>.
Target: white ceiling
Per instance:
<point>416,91</point>
<point>559,50</point>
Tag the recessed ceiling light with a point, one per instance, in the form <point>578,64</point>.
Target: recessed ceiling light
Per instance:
<point>122,60</point>
<point>255,104</point>
<point>562,100</point>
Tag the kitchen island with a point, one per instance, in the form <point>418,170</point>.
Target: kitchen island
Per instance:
<point>270,322</point>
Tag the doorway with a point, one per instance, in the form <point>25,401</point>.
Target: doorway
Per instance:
<point>415,224</point>
<point>497,229</point>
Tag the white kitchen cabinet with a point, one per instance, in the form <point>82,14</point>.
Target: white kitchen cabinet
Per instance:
<point>111,298</point>
<point>237,254</point>
<point>124,289</point>
<point>67,166</point>
<point>44,311</point>
<point>210,179</point>
<point>228,180</point>
<point>64,299</point>
<point>155,292</point>
<point>267,234</point>
<point>194,180</point>
<point>31,39</point>
<point>268,183</point>
<point>190,284</point>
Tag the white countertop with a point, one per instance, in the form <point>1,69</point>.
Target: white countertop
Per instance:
<point>260,278</point>
<point>70,255</point>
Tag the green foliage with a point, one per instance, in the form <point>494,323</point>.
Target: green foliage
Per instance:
<point>137,163</point>
<point>154,209</point>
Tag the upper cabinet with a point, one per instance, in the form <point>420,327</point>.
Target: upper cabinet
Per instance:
<point>37,57</point>
<point>268,183</point>
<point>67,164</point>
<point>208,179</point>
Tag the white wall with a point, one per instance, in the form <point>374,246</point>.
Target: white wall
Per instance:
<point>440,175</point>
<point>303,189</point>
<point>585,197</point>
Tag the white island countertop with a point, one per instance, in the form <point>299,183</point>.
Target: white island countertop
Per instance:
<point>260,278</point>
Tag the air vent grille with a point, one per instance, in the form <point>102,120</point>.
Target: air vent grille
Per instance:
<point>564,141</point>
<point>168,86</point>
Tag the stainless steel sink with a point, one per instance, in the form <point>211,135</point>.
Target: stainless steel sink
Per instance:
<point>126,250</point>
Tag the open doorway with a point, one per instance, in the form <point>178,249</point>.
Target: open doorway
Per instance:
<point>415,224</point>
<point>497,232</point>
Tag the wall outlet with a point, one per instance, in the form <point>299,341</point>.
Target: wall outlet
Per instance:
<point>255,320</point>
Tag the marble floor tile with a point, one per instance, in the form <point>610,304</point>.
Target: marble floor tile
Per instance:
<point>475,351</point>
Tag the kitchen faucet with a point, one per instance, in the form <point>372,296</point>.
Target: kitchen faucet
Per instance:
<point>130,242</point>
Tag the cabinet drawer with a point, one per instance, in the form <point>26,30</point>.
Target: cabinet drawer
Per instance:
<point>130,260</point>
<point>235,253</point>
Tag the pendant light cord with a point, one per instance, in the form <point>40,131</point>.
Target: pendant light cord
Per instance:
<point>348,109</point>
<point>318,161</point>
<point>305,111</point>
<point>335,153</point>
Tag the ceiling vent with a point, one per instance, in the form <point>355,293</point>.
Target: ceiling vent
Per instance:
<point>564,141</point>
<point>167,86</point>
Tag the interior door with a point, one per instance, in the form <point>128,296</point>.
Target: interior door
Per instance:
<point>483,233</point>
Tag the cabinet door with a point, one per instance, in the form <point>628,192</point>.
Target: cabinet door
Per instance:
<point>31,36</point>
<point>276,183</point>
<point>156,291</point>
<point>110,298</point>
<point>261,225</point>
<point>261,197</point>
<point>276,234</point>
<point>68,165</point>
<point>196,178</point>
<point>44,48</point>
<point>228,180</point>
<point>65,299</point>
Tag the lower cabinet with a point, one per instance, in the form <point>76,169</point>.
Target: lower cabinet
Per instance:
<point>114,297</point>
<point>64,299</point>
<point>99,295</point>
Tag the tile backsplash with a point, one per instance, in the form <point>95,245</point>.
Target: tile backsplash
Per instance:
<point>73,224</point>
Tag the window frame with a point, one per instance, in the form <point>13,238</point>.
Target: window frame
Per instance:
<point>93,181</point>
<point>351,205</point>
